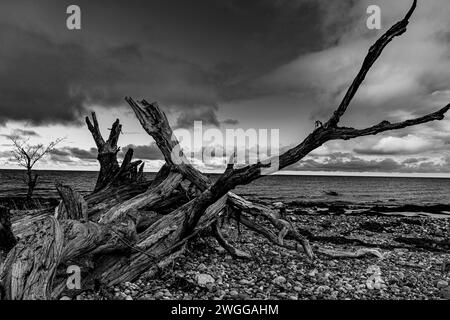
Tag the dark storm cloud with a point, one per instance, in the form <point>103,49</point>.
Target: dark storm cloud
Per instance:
<point>199,57</point>
<point>148,152</point>
<point>47,82</point>
<point>42,80</point>
<point>187,118</point>
<point>207,116</point>
<point>181,54</point>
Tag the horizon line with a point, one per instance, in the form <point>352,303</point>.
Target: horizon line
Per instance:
<point>294,173</point>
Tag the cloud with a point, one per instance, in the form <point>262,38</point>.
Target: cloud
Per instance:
<point>207,115</point>
<point>346,162</point>
<point>407,76</point>
<point>231,122</point>
<point>45,81</point>
<point>21,133</point>
<point>71,154</point>
<point>90,154</point>
<point>409,144</point>
<point>294,58</point>
<point>60,152</point>
<point>187,118</point>
<point>144,152</point>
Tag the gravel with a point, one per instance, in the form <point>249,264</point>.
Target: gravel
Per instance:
<point>206,271</point>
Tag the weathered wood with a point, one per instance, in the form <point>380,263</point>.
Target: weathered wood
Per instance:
<point>155,245</point>
<point>283,227</point>
<point>107,150</point>
<point>7,238</point>
<point>30,266</point>
<point>111,174</point>
<point>73,206</point>
<point>148,198</point>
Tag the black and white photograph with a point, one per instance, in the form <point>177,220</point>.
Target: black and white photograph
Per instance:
<point>240,153</point>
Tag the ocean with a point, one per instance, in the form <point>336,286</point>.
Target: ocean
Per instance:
<point>367,191</point>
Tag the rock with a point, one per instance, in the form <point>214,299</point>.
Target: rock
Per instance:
<point>313,273</point>
<point>201,267</point>
<point>377,286</point>
<point>243,296</point>
<point>220,250</point>
<point>203,279</point>
<point>234,293</point>
<point>279,280</point>
<point>406,289</point>
<point>278,205</point>
<point>211,287</point>
<point>128,298</point>
<point>245,282</point>
<point>442,284</point>
<point>167,293</point>
<point>159,295</point>
<point>445,293</point>
<point>321,289</point>
<point>298,289</point>
<point>65,298</point>
<point>331,264</point>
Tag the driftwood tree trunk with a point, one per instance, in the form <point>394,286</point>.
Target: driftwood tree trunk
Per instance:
<point>7,238</point>
<point>129,226</point>
<point>111,174</point>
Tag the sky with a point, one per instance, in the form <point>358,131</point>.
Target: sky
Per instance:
<point>232,64</point>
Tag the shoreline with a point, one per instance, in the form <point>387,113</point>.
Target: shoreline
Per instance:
<point>314,208</point>
<point>415,264</point>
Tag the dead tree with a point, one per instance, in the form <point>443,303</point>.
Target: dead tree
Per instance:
<point>111,174</point>
<point>27,155</point>
<point>119,240</point>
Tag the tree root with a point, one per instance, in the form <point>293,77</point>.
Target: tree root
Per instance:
<point>235,252</point>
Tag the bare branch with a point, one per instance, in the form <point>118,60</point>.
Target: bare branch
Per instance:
<point>374,52</point>
<point>349,133</point>
<point>95,131</point>
<point>27,155</point>
<point>235,252</point>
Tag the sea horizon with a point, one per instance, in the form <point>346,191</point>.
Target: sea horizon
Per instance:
<point>289,173</point>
